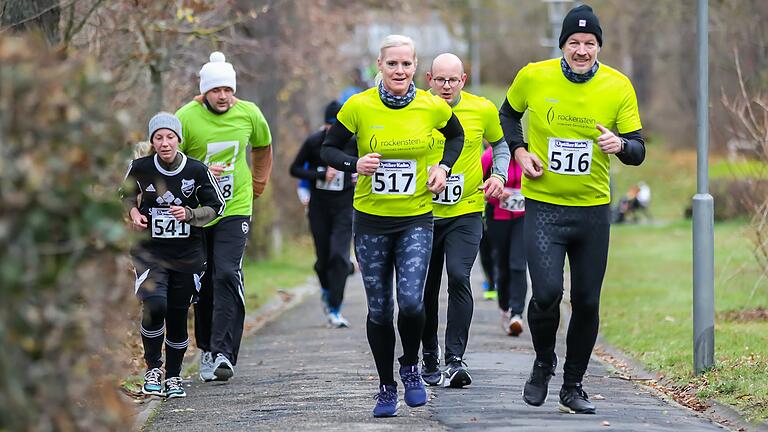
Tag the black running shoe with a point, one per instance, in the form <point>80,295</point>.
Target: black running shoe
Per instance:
<point>456,373</point>
<point>430,369</point>
<point>537,387</point>
<point>574,400</point>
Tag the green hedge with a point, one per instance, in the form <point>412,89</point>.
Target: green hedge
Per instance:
<point>63,287</point>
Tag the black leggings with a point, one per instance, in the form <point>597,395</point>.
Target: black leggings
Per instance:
<point>486,260</point>
<point>551,233</point>
<point>508,252</point>
<point>331,226</point>
<point>165,296</point>
<point>220,309</point>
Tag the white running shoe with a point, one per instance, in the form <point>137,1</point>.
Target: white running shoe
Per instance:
<point>505,317</point>
<point>335,319</point>
<point>515,325</point>
<point>206,367</point>
<point>222,368</point>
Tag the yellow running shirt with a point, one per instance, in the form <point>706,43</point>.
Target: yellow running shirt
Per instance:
<point>562,129</point>
<point>403,137</point>
<point>480,119</point>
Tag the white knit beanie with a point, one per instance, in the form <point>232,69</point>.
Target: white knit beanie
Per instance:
<point>217,73</point>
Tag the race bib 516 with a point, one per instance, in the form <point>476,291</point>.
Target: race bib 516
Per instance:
<point>569,156</point>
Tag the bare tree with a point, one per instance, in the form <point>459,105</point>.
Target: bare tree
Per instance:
<point>24,15</point>
<point>749,112</point>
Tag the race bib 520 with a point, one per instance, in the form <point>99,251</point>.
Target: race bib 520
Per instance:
<point>514,202</point>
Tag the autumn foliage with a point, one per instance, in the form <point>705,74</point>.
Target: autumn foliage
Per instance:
<point>62,284</point>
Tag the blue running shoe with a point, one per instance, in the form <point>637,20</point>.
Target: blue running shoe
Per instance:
<point>386,401</point>
<point>174,388</point>
<point>415,392</point>
<point>152,383</point>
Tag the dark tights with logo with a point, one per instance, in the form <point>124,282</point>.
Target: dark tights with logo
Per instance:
<point>582,233</point>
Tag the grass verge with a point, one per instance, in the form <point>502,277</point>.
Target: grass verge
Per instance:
<point>288,268</point>
<point>647,305</point>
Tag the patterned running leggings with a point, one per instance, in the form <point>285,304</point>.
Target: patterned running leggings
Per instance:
<point>404,254</point>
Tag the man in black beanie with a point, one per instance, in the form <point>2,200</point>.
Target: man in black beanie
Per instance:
<point>330,216</point>
<point>575,104</point>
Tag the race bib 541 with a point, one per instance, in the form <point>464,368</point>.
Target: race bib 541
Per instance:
<point>164,225</point>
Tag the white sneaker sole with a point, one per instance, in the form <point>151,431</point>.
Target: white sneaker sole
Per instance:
<point>565,409</point>
<point>153,393</point>
<point>439,383</point>
<point>207,378</point>
<point>397,408</point>
<point>455,381</point>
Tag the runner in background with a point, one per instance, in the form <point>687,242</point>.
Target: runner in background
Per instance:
<point>330,215</point>
<point>504,219</point>
<point>458,225</point>
<point>232,137</point>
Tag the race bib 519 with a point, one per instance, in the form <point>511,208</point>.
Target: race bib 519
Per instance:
<point>454,188</point>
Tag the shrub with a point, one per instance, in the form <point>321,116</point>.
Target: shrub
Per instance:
<point>61,280</point>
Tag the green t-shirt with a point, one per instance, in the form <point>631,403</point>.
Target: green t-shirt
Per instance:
<point>562,129</point>
<point>404,139</point>
<point>480,119</point>
<point>222,139</point>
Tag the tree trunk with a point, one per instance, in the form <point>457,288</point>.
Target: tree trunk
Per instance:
<point>156,98</point>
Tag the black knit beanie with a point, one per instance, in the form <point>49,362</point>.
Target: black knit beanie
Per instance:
<point>330,112</point>
<point>581,19</point>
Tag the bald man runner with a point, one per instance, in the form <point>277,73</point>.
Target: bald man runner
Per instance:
<point>458,225</point>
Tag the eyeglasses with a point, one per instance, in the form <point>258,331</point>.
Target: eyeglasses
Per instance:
<point>452,82</point>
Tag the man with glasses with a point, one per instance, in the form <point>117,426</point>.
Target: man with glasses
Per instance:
<point>458,225</point>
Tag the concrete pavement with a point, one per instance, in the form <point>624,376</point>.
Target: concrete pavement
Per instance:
<point>296,373</point>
